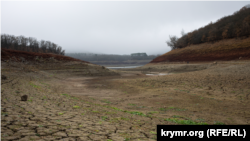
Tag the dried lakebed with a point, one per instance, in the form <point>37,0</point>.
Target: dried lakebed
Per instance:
<point>70,106</point>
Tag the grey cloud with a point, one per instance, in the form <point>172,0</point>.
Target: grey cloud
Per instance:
<point>111,27</point>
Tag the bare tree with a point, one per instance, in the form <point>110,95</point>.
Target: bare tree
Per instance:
<point>183,32</point>
<point>173,42</point>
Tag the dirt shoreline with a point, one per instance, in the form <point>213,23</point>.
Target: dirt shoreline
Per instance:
<point>75,101</point>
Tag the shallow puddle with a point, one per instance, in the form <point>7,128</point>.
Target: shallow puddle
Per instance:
<point>154,74</point>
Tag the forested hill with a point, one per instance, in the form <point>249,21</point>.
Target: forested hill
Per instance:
<point>29,44</point>
<point>227,39</point>
<point>236,25</point>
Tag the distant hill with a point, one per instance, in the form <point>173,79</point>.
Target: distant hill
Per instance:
<point>113,59</point>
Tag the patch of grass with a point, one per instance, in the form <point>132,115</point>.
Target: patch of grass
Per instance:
<point>123,118</point>
<point>153,112</point>
<point>132,104</point>
<point>185,122</point>
<point>218,123</point>
<point>176,116</point>
<point>44,83</point>
<point>37,134</point>
<point>104,117</point>
<point>110,112</point>
<point>65,94</point>
<point>74,97</point>
<point>33,85</point>
<point>152,132</point>
<point>127,139</point>
<point>162,109</point>
<point>115,108</point>
<point>135,113</point>
<point>106,101</point>
<point>76,106</point>
<point>61,113</point>
<point>172,108</point>
<point>95,111</point>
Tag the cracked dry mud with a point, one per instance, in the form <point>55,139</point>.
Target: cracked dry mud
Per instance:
<point>74,105</point>
<point>52,114</point>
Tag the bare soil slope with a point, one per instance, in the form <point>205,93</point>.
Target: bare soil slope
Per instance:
<point>21,56</point>
<point>223,50</point>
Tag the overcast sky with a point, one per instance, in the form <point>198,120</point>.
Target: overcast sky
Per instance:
<point>110,27</point>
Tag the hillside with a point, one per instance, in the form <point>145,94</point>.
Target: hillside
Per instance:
<point>226,39</point>
<point>228,49</point>
<point>228,27</point>
<point>19,56</point>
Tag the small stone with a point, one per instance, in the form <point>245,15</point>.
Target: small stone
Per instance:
<point>24,98</point>
<point>4,77</point>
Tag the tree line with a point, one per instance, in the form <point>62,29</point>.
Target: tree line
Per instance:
<point>232,26</point>
<point>30,44</point>
<point>108,57</point>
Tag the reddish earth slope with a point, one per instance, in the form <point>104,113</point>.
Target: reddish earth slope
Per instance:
<point>225,50</point>
<point>6,54</point>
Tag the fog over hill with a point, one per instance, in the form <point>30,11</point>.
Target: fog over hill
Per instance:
<point>247,6</point>
<point>102,59</point>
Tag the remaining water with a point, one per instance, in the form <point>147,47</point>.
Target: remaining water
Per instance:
<point>158,74</point>
<point>124,67</point>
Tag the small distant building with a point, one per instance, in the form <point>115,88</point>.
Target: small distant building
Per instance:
<point>139,54</point>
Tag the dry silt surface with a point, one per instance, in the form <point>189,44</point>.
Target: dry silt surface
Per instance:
<point>76,101</point>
